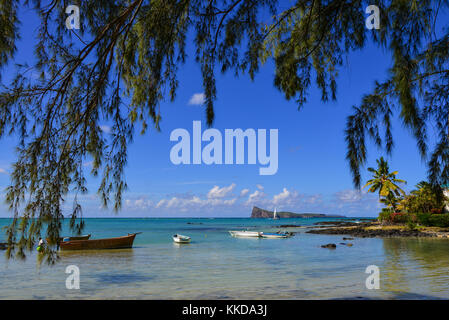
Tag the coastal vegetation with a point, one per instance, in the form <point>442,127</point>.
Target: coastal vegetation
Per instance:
<point>420,213</point>
<point>125,60</point>
<point>423,206</point>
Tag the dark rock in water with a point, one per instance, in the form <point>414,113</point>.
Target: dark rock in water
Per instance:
<point>371,233</point>
<point>346,244</point>
<point>348,238</point>
<point>341,223</point>
<point>329,246</point>
<point>289,226</point>
<point>194,223</point>
<point>329,222</point>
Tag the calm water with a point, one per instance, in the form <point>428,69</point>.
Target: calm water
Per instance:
<point>218,266</point>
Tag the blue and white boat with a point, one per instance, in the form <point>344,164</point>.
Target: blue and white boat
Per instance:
<point>275,235</point>
<point>246,234</point>
<point>179,238</point>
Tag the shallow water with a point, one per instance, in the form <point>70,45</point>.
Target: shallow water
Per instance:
<point>218,266</point>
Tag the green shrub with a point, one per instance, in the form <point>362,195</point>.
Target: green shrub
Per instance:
<point>439,220</point>
<point>384,216</point>
<point>433,220</point>
<point>423,219</point>
<point>411,224</point>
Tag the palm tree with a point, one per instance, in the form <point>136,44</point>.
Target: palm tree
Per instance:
<point>391,201</point>
<point>385,183</point>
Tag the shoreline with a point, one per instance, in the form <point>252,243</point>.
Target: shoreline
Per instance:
<point>376,230</point>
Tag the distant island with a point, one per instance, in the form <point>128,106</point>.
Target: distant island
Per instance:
<point>261,213</point>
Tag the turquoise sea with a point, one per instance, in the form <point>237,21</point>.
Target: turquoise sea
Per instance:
<point>218,266</point>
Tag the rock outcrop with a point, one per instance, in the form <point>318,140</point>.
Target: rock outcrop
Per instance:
<point>372,233</point>
<point>262,213</point>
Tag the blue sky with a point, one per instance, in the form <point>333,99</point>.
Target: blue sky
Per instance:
<point>313,175</point>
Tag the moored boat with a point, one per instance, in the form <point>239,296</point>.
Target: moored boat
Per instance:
<point>179,238</point>
<point>99,244</point>
<point>85,237</point>
<point>275,235</point>
<point>246,234</point>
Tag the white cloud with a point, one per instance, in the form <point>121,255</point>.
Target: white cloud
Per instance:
<point>138,204</point>
<point>88,164</point>
<point>106,129</point>
<point>197,99</point>
<point>193,203</point>
<point>355,202</point>
<point>314,199</point>
<point>282,197</point>
<point>217,192</point>
<point>232,201</point>
<point>3,171</point>
<point>260,187</point>
<point>349,196</point>
<point>244,192</point>
<point>287,198</point>
<point>256,198</point>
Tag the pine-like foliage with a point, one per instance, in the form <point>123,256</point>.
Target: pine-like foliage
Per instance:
<point>124,61</point>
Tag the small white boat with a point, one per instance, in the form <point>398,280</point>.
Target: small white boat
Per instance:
<point>246,234</point>
<point>275,235</point>
<point>179,238</point>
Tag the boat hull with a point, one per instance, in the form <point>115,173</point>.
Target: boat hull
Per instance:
<point>181,239</point>
<point>177,240</point>
<point>99,244</point>
<point>275,235</point>
<point>245,234</point>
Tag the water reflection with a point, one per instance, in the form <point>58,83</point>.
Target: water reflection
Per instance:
<point>122,278</point>
<point>413,266</point>
<point>123,256</point>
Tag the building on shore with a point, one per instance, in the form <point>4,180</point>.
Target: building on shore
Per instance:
<point>446,193</point>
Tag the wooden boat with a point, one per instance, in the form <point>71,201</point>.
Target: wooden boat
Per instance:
<point>179,238</point>
<point>85,237</point>
<point>99,244</point>
<point>246,234</point>
<point>275,235</point>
